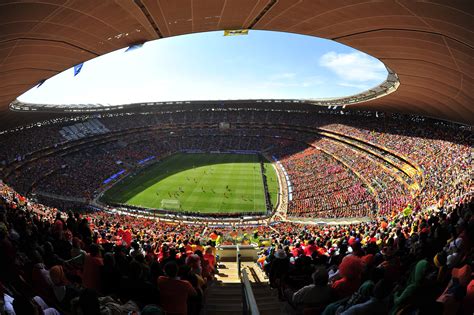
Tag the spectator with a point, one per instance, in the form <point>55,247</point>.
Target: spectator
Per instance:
<point>35,306</point>
<point>92,266</point>
<point>316,294</point>
<point>174,293</point>
<point>378,304</point>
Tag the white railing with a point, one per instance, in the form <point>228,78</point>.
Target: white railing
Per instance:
<point>250,304</point>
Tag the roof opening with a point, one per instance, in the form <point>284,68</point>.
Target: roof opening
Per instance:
<point>211,66</point>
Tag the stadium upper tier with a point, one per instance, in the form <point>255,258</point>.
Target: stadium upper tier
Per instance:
<point>337,165</point>
<point>428,44</point>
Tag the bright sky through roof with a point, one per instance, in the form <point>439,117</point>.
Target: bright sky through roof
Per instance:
<point>209,66</point>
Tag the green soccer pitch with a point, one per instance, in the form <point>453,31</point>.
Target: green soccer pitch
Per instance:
<point>206,183</point>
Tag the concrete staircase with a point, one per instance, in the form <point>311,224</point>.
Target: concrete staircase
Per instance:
<point>266,297</point>
<point>225,296</point>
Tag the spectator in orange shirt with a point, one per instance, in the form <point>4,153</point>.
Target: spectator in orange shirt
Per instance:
<point>197,246</point>
<point>209,256</point>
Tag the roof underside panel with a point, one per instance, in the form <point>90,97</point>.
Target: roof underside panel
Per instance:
<point>428,44</point>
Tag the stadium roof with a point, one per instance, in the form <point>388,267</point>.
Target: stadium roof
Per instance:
<point>428,44</point>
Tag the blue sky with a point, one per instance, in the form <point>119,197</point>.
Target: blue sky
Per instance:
<point>209,66</point>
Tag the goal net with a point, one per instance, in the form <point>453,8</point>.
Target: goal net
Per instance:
<point>170,204</point>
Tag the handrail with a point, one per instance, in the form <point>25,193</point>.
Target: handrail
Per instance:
<point>238,260</point>
<point>251,303</point>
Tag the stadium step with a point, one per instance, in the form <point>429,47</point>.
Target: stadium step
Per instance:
<point>223,298</point>
<point>267,299</point>
<point>256,274</point>
<point>227,272</point>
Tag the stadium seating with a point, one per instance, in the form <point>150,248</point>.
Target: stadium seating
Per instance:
<point>402,259</point>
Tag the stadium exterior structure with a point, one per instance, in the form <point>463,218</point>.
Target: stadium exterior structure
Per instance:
<point>428,44</point>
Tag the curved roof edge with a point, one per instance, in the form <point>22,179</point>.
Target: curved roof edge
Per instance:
<point>388,86</point>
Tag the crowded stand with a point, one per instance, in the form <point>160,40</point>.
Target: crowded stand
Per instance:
<point>16,145</point>
<point>392,196</point>
<point>444,155</point>
<point>420,260</point>
<point>338,191</point>
<point>413,254</point>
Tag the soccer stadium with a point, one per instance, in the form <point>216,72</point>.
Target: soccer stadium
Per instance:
<point>242,198</point>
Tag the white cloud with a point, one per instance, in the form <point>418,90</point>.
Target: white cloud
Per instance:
<point>355,66</point>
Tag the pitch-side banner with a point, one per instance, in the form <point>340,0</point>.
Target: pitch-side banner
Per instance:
<point>235,32</point>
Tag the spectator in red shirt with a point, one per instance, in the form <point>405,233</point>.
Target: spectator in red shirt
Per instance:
<point>174,292</point>
<point>350,271</point>
<point>127,237</point>
<point>92,266</point>
<point>310,248</point>
<point>58,223</point>
<point>297,251</point>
